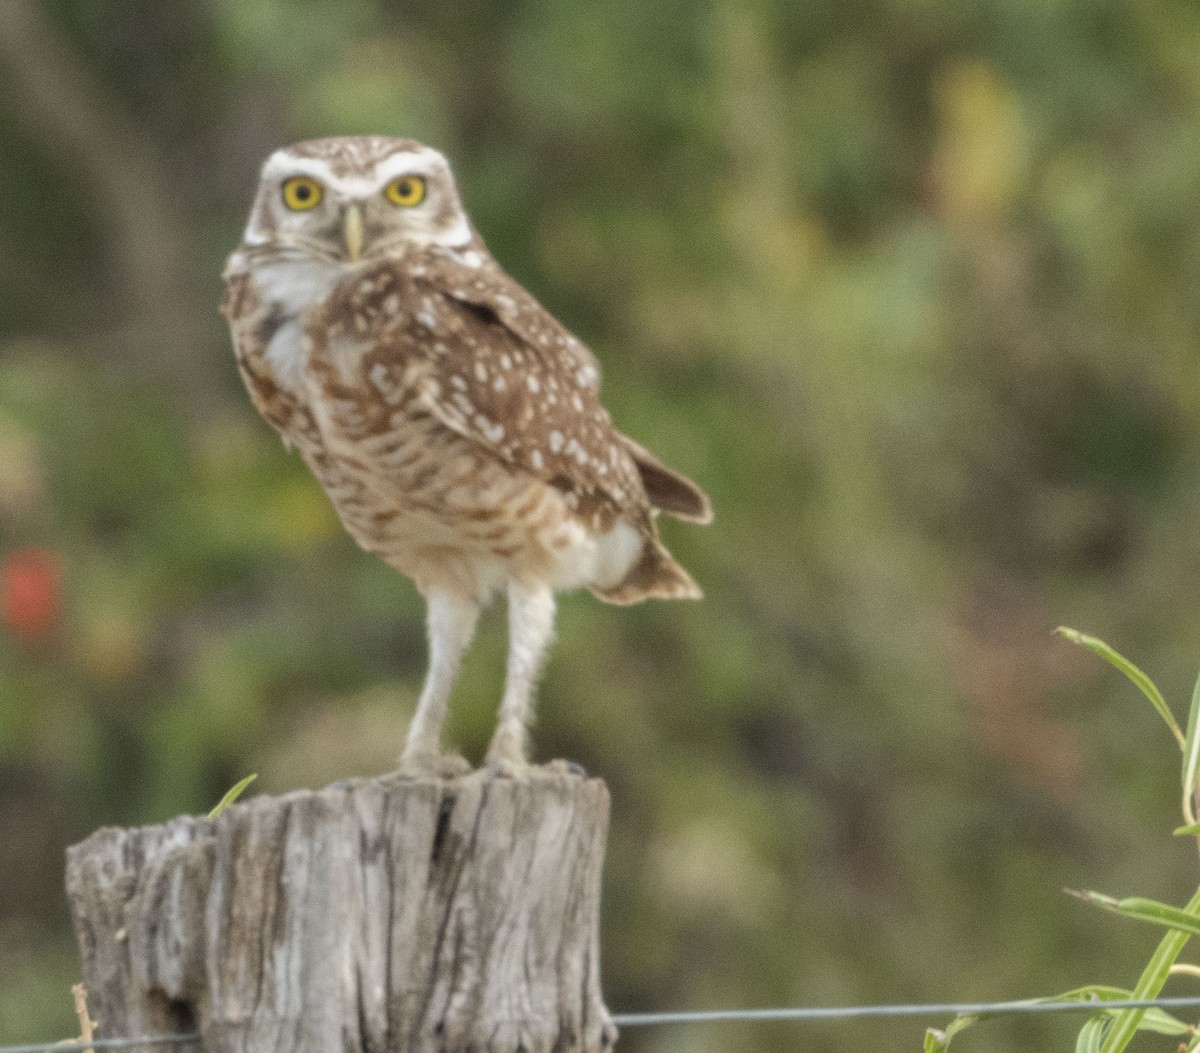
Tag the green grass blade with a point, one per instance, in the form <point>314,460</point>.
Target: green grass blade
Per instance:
<point>234,792</point>
<point>1191,755</point>
<point>1157,1020</point>
<point>1151,910</point>
<point>1127,1022</point>
<point>1091,993</point>
<point>1090,1036</point>
<point>1139,679</point>
<point>1191,830</point>
<point>939,1041</point>
<point>1162,1023</point>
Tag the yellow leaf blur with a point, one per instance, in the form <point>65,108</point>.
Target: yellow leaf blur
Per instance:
<point>980,160</point>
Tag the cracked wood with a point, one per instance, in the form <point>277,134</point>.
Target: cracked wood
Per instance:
<point>382,916</point>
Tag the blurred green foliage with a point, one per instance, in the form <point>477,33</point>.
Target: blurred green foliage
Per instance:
<point>908,285</point>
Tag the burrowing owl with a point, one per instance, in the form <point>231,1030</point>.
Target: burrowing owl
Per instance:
<point>455,425</point>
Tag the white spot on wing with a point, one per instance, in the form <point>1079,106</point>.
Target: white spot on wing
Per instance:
<point>494,433</point>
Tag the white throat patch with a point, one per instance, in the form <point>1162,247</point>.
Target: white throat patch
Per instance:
<point>291,289</point>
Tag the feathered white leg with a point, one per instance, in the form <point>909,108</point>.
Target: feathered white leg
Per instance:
<point>451,618</point>
<point>530,630</point>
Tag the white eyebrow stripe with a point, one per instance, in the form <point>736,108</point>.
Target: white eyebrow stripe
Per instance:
<point>408,163</point>
<point>281,165</point>
<point>286,168</point>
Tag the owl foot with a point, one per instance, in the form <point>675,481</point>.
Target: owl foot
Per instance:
<point>428,764</point>
<point>506,753</point>
<point>508,768</point>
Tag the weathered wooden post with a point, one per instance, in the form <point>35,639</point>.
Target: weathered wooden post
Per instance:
<point>388,915</point>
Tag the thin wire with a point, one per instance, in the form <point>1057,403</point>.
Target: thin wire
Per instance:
<point>105,1043</point>
<point>851,1012</point>
<point>714,1016</point>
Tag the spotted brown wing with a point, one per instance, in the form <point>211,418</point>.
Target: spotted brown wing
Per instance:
<point>488,361</point>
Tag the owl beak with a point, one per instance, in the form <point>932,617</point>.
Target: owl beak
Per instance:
<point>354,231</point>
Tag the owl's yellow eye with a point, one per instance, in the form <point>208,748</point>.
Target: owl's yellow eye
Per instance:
<point>406,190</point>
<point>302,192</point>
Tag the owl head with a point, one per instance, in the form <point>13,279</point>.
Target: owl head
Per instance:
<point>352,198</point>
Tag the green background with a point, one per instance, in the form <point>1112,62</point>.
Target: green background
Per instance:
<point>910,286</point>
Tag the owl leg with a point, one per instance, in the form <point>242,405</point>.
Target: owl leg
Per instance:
<point>451,619</point>
<point>530,630</point>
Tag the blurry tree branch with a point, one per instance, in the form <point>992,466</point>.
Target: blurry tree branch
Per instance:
<point>67,112</point>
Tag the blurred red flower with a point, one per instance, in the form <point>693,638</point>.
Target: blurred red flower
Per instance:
<point>30,593</point>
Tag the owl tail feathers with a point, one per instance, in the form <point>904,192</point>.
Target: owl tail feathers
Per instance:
<point>655,576</point>
<point>668,490</point>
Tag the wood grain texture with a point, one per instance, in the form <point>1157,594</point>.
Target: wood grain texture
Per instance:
<point>384,916</point>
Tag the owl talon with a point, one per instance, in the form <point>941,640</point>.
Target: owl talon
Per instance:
<point>506,768</point>
<point>506,752</point>
<point>453,766</point>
